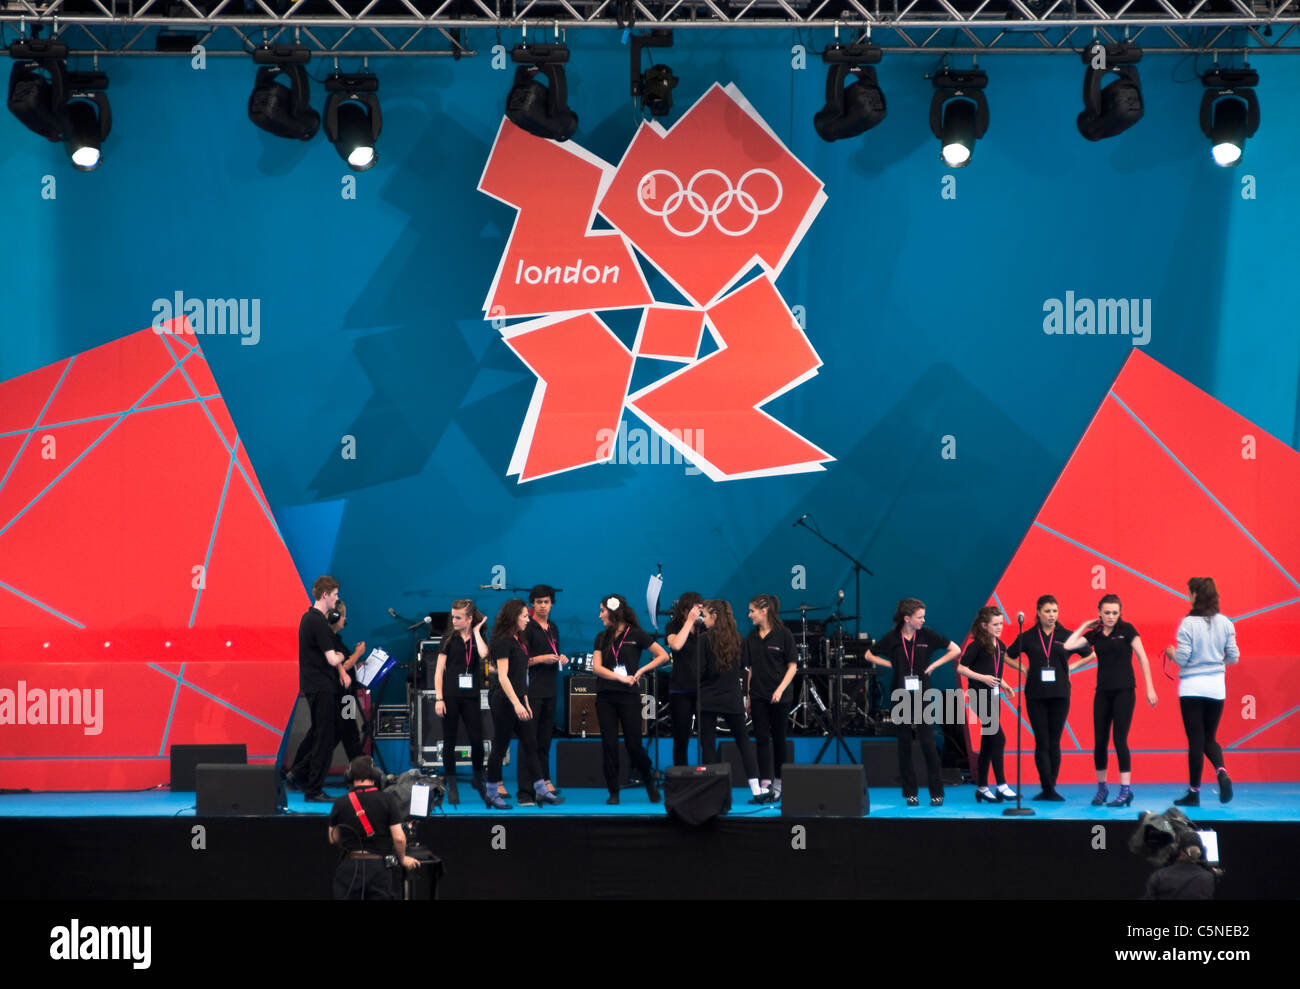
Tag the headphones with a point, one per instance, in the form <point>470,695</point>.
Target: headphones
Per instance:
<point>349,777</point>
<point>334,616</point>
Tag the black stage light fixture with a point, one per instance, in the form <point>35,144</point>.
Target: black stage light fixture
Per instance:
<point>959,114</point>
<point>352,118</point>
<point>1229,112</point>
<point>284,111</point>
<point>87,119</point>
<point>36,96</point>
<point>59,105</point>
<point>1117,107</point>
<point>543,111</point>
<point>855,109</point>
<point>652,89</point>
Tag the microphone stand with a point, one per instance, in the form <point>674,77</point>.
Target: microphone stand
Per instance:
<point>837,697</point>
<point>1018,810</point>
<point>858,570</point>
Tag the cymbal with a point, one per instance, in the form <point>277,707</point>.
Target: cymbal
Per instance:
<point>804,607</point>
<point>842,618</point>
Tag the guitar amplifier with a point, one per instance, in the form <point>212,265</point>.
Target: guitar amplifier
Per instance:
<point>426,740</point>
<point>581,700</point>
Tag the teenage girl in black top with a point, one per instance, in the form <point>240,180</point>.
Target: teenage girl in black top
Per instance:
<point>770,657</point>
<point>908,649</point>
<point>616,661</point>
<point>686,640</point>
<point>722,694</point>
<point>1115,641</point>
<point>457,680</point>
<point>511,714</point>
<point>981,664</point>
<point>544,663</point>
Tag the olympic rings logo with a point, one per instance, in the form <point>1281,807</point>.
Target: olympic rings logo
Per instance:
<point>688,196</point>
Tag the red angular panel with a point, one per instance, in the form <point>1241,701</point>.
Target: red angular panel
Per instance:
<point>32,390</point>
<point>671,332</point>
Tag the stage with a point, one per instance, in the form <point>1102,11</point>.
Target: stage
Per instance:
<point>150,845</point>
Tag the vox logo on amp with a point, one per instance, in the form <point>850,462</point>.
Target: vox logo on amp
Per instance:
<point>717,204</point>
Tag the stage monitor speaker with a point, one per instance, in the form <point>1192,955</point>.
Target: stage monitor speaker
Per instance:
<point>696,795</point>
<point>824,791</point>
<point>581,763</point>
<point>238,791</point>
<point>185,757</point>
<point>730,753</point>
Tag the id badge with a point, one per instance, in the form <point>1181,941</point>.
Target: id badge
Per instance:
<point>620,670</point>
<point>996,690</point>
<point>466,681</point>
<point>1049,676</point>
<point>912,683</point>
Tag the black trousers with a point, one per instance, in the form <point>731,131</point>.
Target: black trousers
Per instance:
<point>1201,722</point>
<point>993,746</point>
<point>463,709</point>
<point>933,770</point>
<point>1047,719</point>
<point>682,708</point>
<point>363,879</point>
<point>708,737</point>
<point>770,721</point>
<point>325,717</point>
<point>612,709</point>
<point>1112,707</point>
<point>345,731</point>
<point>504,727</point>
<point>544,723</point>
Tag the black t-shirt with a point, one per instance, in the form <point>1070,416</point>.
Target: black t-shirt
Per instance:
<point>683,678</point>
<point>769,658</point>
<point>1030,642</point>
<point>541,641</point>
<point>623,650</point>
<point>721,691</point>
<point>910,657</point>
<point>379,812</point>
<point>315,638</point>
<point>509,648</point>
<point>1181,881</point>
<point>1114,656</point>
<point>462,657</point>
<point>983,662</point>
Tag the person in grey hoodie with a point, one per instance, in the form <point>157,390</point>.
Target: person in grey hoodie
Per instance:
<point>1207,645</point>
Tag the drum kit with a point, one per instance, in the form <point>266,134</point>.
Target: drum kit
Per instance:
<point>836,689</point>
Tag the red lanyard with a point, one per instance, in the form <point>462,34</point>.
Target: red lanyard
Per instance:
<point>1047,649</point>
<point>911,660</point>
<point>546,632</point>
<point>614,654</point>
<point>468,645</point>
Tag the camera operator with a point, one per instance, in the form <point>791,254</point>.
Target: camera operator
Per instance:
<point>1187,877</point>
<point>364,826</point>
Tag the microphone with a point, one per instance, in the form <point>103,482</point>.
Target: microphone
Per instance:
<point>392,612</point>
<point>1020,617</point>
<point>841,595</point>
<point>798,520</point>
<point>426,620</point>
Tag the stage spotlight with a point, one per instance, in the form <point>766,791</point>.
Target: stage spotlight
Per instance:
<point>541,110</point>
<point>353,119</point>
<point>284,111</point>
<point>88,119</point>
<point>1117,107</point>
<point>959,114</point>
<point>852,110</point>
<point>652,89</point>
<point>59,105</point>
<point>1229,112</point>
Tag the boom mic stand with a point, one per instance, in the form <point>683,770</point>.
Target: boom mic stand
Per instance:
<point>1018,810</point>
<point>836,691</point>
<point>858,570</point>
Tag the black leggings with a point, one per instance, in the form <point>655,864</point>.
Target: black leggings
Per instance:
<point>505,725</point>
<point>1201,721</point>
<point>708,735</point>
<point>1047,720</point>
<point>935,772</point>
<point>992,746</point>
<point>682,708</point>
<point>769,732</point>
<point>463,709</point>
<point>1112,706</point>
<point>544,720</point>
<point>615,707</point>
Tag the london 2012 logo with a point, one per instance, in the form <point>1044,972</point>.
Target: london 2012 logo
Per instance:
<point>717,204</point>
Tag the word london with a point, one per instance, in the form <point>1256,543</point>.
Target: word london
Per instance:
<point>572,274</point>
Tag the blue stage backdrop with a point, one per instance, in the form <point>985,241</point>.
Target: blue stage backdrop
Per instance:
<point>381,409</point>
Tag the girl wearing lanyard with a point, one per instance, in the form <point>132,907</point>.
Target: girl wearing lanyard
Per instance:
<point>511,715</point>
<point>1115,641</point>
<point>457,680</point>
<point>1047,688</point>
<point>722,694</point>
<point>686,640</point>
<point>544,663</point>
<point>616,660</point>
<point>771,661</point>
<point>981,665</point>
<point>909,647</point>
<point>1207,646</point>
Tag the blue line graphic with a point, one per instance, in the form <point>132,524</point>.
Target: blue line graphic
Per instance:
<point>167,728</point>
<point>44,607</point>
<point>1246,738</point>
<point>1271,607</point>
<point>105,415</point>
<point>212,697</point>
<point>212,539</point>
<point>41,415</point>
<point>1127,569</point>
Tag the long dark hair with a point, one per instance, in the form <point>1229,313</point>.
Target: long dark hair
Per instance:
<point>475,616</point>
<point>723,637</point>
<point>1205,596</point>
<point>982,635</point>
<point>772,605</point>
<point>682,607</point>
<point>507,623</point>
<point>621,614</point>
<point>907,606</point>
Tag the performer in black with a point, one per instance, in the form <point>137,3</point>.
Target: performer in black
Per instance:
<point>457,681</point>
<point>544,663</point>
<point>981,664</point>
<point>616,661</point>
<point>770,658</point>
<point>1115,642</point>
<point>318,676</point>
<point>345,728</point>
<point>910,647</point>
<point>511,715</point>
<point>685,639</point>
<point>722,694</point>
<point>1046,676</point>
<point>363,825</point>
